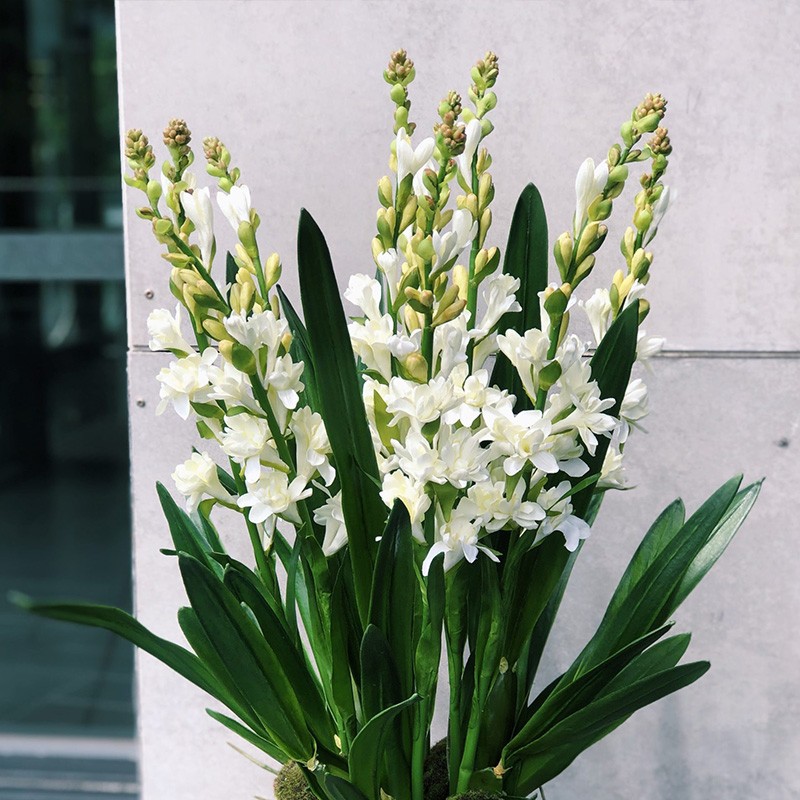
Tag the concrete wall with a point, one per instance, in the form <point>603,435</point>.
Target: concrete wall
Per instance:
<point>295,91</point>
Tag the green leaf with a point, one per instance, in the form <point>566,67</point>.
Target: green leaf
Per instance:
<point>231,268</point>
<point>716,545</point>
<point>527,259</point>
<point>341,405</point>
<point>611,365</point>
<point>117,621</point>
<point>547,756</point>
<point>394,590</point>
<point>661,656</point>
<point>245,587</point>
<point>367,750</point>
<point>646,603</point>
<point>569,696</point>
<point>301,350</point>
<point>252,665</point>
<point>660,534</point>
<point>185,534</point>
<point>261,742</point>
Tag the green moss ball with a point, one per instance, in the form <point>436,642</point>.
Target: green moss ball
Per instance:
<point>291,784</point>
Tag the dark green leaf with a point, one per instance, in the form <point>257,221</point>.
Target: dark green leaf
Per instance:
<point>261,742</point>
<point>124,625</point>
<point>301,350</point>
<point>527,259</point>
<point>341,405</point>
<point>367,751</point>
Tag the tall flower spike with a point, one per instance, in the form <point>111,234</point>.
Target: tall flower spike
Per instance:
<point>451,137</point>
<point>177,136</point>
<point>398,74</point>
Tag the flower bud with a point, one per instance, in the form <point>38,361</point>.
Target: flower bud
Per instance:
<point>215,329</point>
<point>584,268</point>
<point>424,249</point>
<point>599,208</point>
<point>642,219</point>
<point>272,270</point>
<point>485,190</point>
<point>613,156</point>
<point>416,367</point>
<point>648,124</point>
<point>398,94</point>
<point>154,191</point>
<point>412,319</point>
<point>618,174</point>
<point>145,212</point>
<point>485,224</point>
<point>460,278</point>
<point>409,212</point>
<point>555,303</point>
<point>562,250</point>
<point>385,195</point>
<point>247,236</point>
<point>449,313</point>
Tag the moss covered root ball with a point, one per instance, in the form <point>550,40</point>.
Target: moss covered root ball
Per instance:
<point>435,781</point>
<point>291,784</point>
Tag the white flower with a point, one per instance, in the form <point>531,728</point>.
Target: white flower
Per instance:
<point>475,393</point>
<point>246,439</point>
<point>313,446</point>
<point>283,380</point>
<point>419,402</point>
<point>184,381</point>
<point>409,160</point>
<point>648,346</point>
<point>459,538</point>
<point>520,438</point>
<point>397,486</point>
<point>370,342</point>
<point>589,183</point>
<point>612,473</point>
<point>198,208</point>
<point>165,331</point>
<point>461,454</point>
<point>260,329</point>
<point>499,299</point>
<point>418,459</point>
<point>660,208</point>
<point>599,312</point>
<point>474,133</point>
<point>197,478</point>
<point>633,409</point>
<point>167,185</point>
<point>390,264</point>
<point>330,515</point>
<point>560,517</point>
<point>449,246</point>
<point>365,292</point>
<point>235,205</point>
<point>450,344</point>
<point>231,386</point>
<point>528,355</point>
<point>272,495</point>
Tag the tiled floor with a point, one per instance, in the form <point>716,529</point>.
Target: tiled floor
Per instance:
<point>65,535</point>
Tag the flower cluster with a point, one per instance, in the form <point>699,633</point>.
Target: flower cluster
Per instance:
<point>466,458</point>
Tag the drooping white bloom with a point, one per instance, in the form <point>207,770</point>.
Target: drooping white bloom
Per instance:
<point>197,479</point>
<point>612,473</point>
<point>199,210</point>
<point>273,495</point>
<point>185,381</point>
<point>450,344</point>
<point>463,458</point>
<point>560,517</point>
<point>459,537</point>
<point>247,439</point>
<point>365,292</point>
<point>520,438</point>
<point>410,160</point>
<point>398,486</point>
<point>313,446</point>
<point>260,329</point>
<point>390,264</point>
<point>235,205</point>
<point>660,208</point>
<point>231,386</point>
<point>499,299</point>
<point>370,341</point>
<point>418,459</point>
<point>165,331</point>
<point>474,133</point>
<point>330,515</point>
<point>589,183</point>
<point>528,355</point>
<point>449,245</point>
<point>633,410</point>
<point>419,403</point>
<point>283,380</point>
<point>648,346</point>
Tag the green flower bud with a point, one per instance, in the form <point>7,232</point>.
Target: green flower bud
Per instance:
<point>450,313</point>
<point>145,212</point>
<point>555,303</point>
<point>162,227</point>
<point>660,143</point>
<point>385,194</point>
<point>247,236</point>
<point>648,124</point>
<point>642,219</point>
<point>562,250</point>
<point>272,270</point>
<point>398,94</point>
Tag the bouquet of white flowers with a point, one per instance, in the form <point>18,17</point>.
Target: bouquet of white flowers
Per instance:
<point>416,482</point>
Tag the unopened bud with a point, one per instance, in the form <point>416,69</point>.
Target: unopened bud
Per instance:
<point>385,195</point>
<point>417,367</point>
<point>460,278</point>
<point>215,329</point>
<point>412,319</point>
<point>272,270</point>
<point>450,313</point>
<point>247,236</point>
<point>486,223</point>
<point>642,219</point>
<point>562,250</point>
<point>154,191</point>
<point>409,212</point>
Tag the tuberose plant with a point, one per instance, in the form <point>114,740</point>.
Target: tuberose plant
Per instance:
<point>416,482</point>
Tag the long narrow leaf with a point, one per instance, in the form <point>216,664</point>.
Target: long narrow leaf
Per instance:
<point>526,258</point>
<point>341,405</point>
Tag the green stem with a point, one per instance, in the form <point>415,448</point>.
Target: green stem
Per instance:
<point>418,751</point>
<point>470,744</point>
<point>255,536</point>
